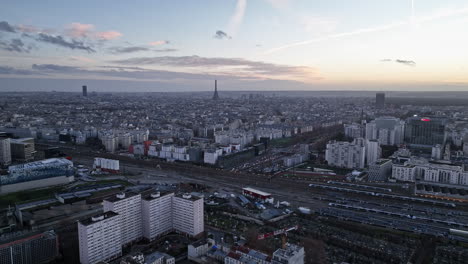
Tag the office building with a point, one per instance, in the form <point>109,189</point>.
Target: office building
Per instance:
<point>380,170</point>
<point>128,206</point>
<point>157,215</point>
<point>5,151</point>
<point>386,130</point>
<point>291,254</point>
<point>37,174</point>
<point>100,238</point>
<point>85,90</point>
<point>22,149</point>
<point>425,131</point>
<point>379,100</point>
<point>345,154</point>
<point>29,249</point>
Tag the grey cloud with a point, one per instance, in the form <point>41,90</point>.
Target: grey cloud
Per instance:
<point>120,50</point>
<point>11,70</point>
<point>221,35</point>
<point>237,64</point>
<point>136,73</point>
<point>53,67</point>
<point>132,49</point>
<point>60,41</point>
<point>15,45</point>
<point>165,50</point>
<point>5,26</point>
<point>406,62</point>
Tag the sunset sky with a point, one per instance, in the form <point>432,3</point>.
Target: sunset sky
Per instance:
<point>183,45</point>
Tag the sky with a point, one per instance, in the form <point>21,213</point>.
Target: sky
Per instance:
<point>182,45</point>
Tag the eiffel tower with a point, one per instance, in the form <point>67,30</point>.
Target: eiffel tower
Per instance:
<point>215,95</point>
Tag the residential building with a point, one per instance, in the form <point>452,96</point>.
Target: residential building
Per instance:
<point>100,238</point>
<point>291,254</point>
<point>128,206</point>
<point>386,130</point>
<point>188,214</point>
<point>157,215</point>
<point>345,154</point>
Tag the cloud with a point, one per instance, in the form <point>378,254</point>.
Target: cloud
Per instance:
<point>165,50</point>
<point>227,65</point>
<point>15,45</point>
<point>122,50</point>
<point>60,41</point>
<point>79,30</point>
<point>81,59</point>
<point>159,42</point>
<point>5,26</point>
<point>108,35</point>
<point>10,70</point>
<point>237,16</point>
<point>133,49</point>
<point>53,68</point>
<point>406,62</point>
<point>221,35</point>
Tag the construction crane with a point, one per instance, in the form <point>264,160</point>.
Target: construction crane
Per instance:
<point>283,232</point>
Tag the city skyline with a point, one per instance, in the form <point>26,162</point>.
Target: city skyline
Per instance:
<point>246,45</point>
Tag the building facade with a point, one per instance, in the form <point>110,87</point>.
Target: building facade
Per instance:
<point>5,151</point>
<point>157,215</point>
<point>30,249</point>
<point>128,206</point>
<point>188,214</point>
<point>100,238</point>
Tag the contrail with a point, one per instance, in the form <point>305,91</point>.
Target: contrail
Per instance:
<point>439,15</point>
<point>237,17</point>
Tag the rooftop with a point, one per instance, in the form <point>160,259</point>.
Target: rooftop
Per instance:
<point>256,191</point>
<point>98,217</point>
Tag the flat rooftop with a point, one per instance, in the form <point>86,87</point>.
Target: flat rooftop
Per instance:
<point>256,191</point>
<point>104,216</point>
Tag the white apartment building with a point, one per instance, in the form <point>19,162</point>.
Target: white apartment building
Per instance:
<point>157,215</point>
<point>292,254</point>
<point>404,172</point>
<point>188,215</point>
<point>128,206</point>
<point>100,238</point>
<point>110,142</point>
<point>5,151</point>
<point>345,154</point>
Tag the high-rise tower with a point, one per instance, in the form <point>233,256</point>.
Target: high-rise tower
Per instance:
<point>85,90</point>
<point>380,100</point>
<point>215,95</point>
